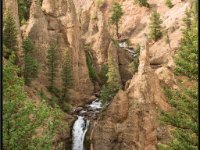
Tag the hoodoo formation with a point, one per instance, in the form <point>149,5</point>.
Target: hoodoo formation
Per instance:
<point>100,75</point>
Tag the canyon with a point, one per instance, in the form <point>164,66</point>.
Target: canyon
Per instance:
<point>129,121</point>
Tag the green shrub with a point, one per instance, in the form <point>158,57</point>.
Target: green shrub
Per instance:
<point>138,47</point>
<point>133,66</point>
<point>55,91</point>
<point>100,3</point>
<point>95,18</point>
<point>67,107</point>
<point>142,3</point>
<point>108,92</point>
<point>42,95</point>
<point>169,3</point>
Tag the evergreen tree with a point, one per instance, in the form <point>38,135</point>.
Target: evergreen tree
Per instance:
<point>169,3</point>
<point>142,3</point>
<point>52,65</point>
<point>116,16</point>
<point>9,34</point>
<point>30,64</point>
<point>22,118</point>
<point>24,10</point>
<point>113,83</point>
<point>186,60</point>
<point>155,26</point>
<point>91,69</point>
<point>67,78</point>
<point>187,20</point>
<point>183,116</point>
<point>102,74</point>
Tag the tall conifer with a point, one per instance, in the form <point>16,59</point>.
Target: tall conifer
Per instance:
<point>155,26</point>
<point>67,78</point>
<point>116,16</point>
<point>30,64</point>
<point>9,34</point>
<point>52,64</point>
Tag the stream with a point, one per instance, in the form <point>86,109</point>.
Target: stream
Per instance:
<point>81,125</point>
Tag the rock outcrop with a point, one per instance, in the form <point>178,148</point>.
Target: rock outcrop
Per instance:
<point>130,120</point>
<point>57,22</point>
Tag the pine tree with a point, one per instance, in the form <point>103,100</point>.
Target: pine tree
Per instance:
<point>91,69</point>
<point>116,16</point>
<point>169,3</point>
<point>9,34</point>
<point>30,64</point>
<point>113,83</point>
<point>52,65</point>
<point>187,20</point>
<point>24,10</point>
<point>183,116</point>
<point>22,118</point>
<point>186,60</point>
<point>142,3</point>
<point>102,74</point>
<point>155,26</point>
<point>67,78</point>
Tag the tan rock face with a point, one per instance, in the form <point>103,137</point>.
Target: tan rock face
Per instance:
<point>118,111</point>
<point>56,22</point>
<point>130,120</point>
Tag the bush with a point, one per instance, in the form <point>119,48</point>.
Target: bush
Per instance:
<point>100,3</point>
<point>67,107</point>
<point>133,66</point>
<point>108,92</point>
<point>55,91</point>
<point>142,3</point>
<point>138,47</point>
<point>169,3</point>
<point>95,18</point>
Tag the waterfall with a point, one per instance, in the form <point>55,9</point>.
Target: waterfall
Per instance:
<point>79,129</point>
<point>81,125</point>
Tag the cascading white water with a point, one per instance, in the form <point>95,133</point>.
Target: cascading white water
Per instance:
<point>79,129</point>
<point>81,126</point>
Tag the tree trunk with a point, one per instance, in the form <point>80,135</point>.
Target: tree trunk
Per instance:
<point>117,32</point>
